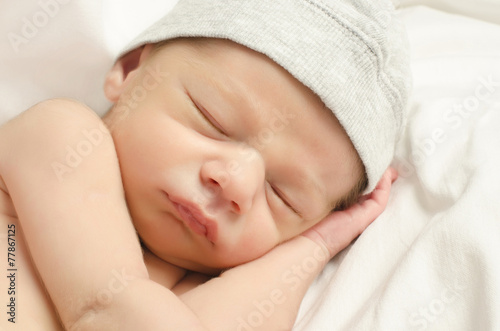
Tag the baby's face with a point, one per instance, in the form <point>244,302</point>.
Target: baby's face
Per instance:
<point>224,154</point>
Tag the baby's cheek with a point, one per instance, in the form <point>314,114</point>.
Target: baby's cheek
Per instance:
<point>292,229</point>
<point>262,241</point>
<point>253,244</point>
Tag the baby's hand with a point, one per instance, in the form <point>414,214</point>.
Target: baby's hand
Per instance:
<point>340,228</point>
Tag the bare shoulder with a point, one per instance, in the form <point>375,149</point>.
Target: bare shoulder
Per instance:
<point>48,115</point>
<point>61,130</point>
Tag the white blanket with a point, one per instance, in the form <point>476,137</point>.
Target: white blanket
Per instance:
<point>430,261</point>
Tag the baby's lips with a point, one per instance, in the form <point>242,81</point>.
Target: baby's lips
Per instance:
<point>195,218</point>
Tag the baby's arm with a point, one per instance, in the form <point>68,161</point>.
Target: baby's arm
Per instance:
<point>61,171</point>
<point>265,294</point>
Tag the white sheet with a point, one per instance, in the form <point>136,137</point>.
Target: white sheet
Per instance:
<point>430,261</point>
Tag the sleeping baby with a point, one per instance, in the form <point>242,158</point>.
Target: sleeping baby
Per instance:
<point>248,143</point>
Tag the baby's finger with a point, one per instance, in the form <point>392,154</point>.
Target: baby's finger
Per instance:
<point>338,229</point>
<point>377,200</point>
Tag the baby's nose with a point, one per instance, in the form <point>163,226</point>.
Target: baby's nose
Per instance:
<point>235,179</point>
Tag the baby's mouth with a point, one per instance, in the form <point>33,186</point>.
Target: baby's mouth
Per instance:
<point>195,219</point>
<point>192,221</point>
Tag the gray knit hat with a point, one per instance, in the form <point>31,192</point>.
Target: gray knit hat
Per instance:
<point>352,53</point>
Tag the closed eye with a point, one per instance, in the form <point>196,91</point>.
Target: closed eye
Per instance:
<point>208,117</point>
<point>283,198</point>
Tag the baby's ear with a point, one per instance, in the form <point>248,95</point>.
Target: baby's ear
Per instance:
<point>123,70</point>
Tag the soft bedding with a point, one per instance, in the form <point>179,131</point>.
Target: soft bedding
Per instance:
<point>430,262</point>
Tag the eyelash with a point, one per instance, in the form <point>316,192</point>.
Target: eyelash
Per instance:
<point>285,202</point>
<point>203,112</point>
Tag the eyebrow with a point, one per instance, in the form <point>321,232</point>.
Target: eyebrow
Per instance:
<point>228,89</point>
<point>224,89</point>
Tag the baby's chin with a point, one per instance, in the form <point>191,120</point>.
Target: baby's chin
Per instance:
<point>191,265</point>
